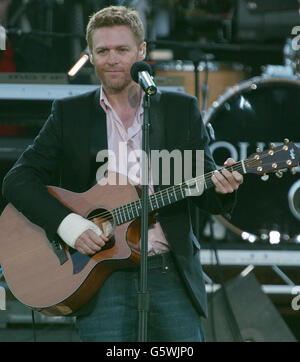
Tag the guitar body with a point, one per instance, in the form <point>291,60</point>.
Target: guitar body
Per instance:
<point>33,271</point>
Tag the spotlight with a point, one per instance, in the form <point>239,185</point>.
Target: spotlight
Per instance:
<point>78,65</point>
<point>249,237</point>
<point>274,237</point>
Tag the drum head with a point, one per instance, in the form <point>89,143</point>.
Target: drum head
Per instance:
<point>250,115</point>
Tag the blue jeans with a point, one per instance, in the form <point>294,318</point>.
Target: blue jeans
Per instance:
<point>172,317</point>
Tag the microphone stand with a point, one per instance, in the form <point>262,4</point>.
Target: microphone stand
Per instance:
<point>143,294</point>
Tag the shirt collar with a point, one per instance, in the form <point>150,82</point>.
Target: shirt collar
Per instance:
<point>106,105</point>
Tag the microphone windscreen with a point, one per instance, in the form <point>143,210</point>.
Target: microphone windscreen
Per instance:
<point>139,67</point>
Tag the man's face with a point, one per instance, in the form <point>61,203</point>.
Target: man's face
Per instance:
<point>114,51</point>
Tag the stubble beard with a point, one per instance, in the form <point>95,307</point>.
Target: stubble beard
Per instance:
<point>111,86</point>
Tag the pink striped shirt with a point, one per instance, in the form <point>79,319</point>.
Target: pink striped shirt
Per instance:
<point>128,162</point>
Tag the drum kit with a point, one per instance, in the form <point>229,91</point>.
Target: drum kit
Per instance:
<point>242,114</point>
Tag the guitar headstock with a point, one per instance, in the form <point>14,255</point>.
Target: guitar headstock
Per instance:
<point>274,159</point>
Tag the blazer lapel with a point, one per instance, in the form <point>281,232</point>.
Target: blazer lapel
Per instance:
<point>97,136</point>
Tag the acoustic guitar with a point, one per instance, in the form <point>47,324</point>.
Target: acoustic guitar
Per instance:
<point>39,279</point>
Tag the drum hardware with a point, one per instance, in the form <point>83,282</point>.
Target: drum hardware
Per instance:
<point>278,71</point>
<point>259,110</point>
<point>291,57</point>
<point>294,200</point>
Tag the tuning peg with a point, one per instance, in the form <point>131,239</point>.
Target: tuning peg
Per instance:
<point>293,171</point>
<point>265,177</point>
<point>286,141</point>
<point>258,150</point>
<point>272,145</point>
<point>279,174</point>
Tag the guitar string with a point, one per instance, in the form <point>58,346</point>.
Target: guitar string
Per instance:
<point>126,208</point>
<point>176,188</point>
<point>164,194</point>
<point>118,211</point>
<point>207,178</point>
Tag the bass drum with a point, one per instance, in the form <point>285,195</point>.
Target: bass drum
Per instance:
<point>252,115</point>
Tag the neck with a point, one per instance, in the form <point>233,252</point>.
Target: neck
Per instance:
<point>128,98</point>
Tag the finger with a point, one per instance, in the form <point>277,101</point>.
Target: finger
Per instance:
<point>92,245</point>
<point>238,177</point>
<point>222,185</point>
<point>96,239</point>
<point>230,179</point>
<point>83,248</point>
<point>229,162</point>
<point>86,244</point>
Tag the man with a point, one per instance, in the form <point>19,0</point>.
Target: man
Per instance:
<point>76,130</point>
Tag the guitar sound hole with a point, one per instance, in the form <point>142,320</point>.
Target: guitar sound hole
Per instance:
<point>104,219</point>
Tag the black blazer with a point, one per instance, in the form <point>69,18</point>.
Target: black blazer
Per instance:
<point>64,154</point>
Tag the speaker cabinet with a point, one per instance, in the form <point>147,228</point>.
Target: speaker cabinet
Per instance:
<point>256,317</point>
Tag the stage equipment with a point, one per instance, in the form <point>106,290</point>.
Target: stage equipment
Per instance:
<point>220,76</point>
<point>250,115</point>
<point>257,318</point>
<point>260,21</point>
<point>78,65</point>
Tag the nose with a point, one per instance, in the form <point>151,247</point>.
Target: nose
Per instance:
<point>112,57</point>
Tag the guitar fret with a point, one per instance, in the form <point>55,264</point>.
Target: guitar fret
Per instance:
<point>132,210</point>
<point>243,166</point>
<point>157,204</point>
<point>120,215</point>
<point>117,216</point>
<point>182,192</point>
<point>175,193</point>
<point>136,207</point>
<point>161,195</point>
<point>197,186</point>
<point>150,202</point>
<point>168,196</point>
<point>126,211</point>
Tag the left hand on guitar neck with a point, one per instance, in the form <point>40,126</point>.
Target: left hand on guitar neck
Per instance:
<point>225,181</point>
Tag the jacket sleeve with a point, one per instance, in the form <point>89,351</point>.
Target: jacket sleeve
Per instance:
<point>210,200</point>
<point>25,185</point>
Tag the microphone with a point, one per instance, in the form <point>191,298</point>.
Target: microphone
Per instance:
<point>140,73</point>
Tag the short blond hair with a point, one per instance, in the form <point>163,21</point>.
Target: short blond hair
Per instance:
<point>115,15</point>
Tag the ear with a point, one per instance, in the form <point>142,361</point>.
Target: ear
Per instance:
<point>91,58</point>
<point>142,51</point>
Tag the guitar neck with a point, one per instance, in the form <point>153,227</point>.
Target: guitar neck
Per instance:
<point>171,195</point>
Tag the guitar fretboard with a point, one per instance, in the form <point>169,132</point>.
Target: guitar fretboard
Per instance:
<point>169,196</point>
